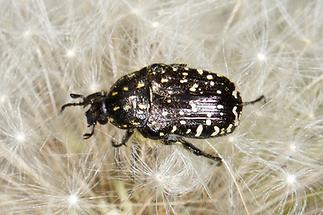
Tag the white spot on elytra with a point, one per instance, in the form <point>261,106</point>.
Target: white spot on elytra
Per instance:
<point>164,80</point>
<point>194,109</point>
<point>131,75</point>
<point>161,134</point>
<point>229,128</point>
<point>219,107</point>
<point>199,130</point>
<point>185,73</point>
<point>114,93</point>
<point>174,69</point>
<point>127,107</point>
<point>181,112</point>
<point>221,113</point>
<point>183,80</point>
<point>188,131</point>
<point>212,83</point>
<point>200,71</point>
<point>116,108</point>
<point>140,84</point>
<point>142,106</point>
<point>216,131</point>
<point>235,94</point>
<point>169,101</point>
<point>208,122</point>
<point>209,114</point>
<point>183,122</point>
<point>218,92</point>
<point>164,113</point>
<point>234,111</point>
<point>193,88</point>
<point>125,88</point>
<point>174,129</point>
<point>186,68</point>
<point>209,77</point>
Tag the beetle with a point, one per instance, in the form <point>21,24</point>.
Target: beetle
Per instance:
<point>169,103</point>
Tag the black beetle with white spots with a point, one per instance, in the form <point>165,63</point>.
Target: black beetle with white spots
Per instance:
<point>168,103</point>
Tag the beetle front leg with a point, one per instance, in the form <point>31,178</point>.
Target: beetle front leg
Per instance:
<point>190,147</point>
<point>124,140</point>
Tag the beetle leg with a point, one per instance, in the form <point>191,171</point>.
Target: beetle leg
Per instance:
<point>198,152</point>
<point>124,140</point>
<point>169,140</point>
<point>88,135</point>
<point>262,97</point>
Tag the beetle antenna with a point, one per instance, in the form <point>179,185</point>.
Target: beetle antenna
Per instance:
<point>71,104</point>
<point>75,96</point>
<point>262,97</point>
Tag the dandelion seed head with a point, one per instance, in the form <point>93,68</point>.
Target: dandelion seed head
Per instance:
<point>292,146</point>
<point>290,179</point>
<point>3,98</point>
<point>158,178</point>
<point>70,53</point>
<point>173,174</point>
<point>261,57</point>
<point>136,11</point>
<point>27,33</point>
<point>311,115</point>
<point>232,139</point>
<point>155,24</point>
<point>20,136</point>
<point>73,200</point>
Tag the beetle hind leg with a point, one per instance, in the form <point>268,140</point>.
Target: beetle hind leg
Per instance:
<point>193,149</point>
<point>262,97</point>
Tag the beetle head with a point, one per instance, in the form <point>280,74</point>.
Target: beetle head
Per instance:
<point>97,111</point>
